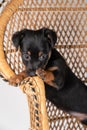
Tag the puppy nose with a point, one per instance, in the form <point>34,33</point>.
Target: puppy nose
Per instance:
<point>32,73</point>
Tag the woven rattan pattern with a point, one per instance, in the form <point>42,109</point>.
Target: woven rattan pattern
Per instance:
<point>59,120</point>
<point>68,18</point>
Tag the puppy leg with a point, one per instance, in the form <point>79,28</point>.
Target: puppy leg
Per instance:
<point>15,80</point>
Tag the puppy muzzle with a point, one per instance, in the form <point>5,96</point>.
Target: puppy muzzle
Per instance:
<point>31,72</point>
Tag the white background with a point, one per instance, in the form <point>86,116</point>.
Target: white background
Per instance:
<point>14,114</point>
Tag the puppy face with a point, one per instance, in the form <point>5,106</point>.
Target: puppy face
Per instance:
<point>35,47</point>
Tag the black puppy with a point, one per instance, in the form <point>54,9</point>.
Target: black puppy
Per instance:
<point>40,57</point>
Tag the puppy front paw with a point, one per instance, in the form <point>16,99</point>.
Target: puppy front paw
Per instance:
<point>41,73</point>
<point>15,80</point>
<point>47,77</point>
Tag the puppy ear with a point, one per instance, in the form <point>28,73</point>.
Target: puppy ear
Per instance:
<point>51,36</point>
<point>17,38</point>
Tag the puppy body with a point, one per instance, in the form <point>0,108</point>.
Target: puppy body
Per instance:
<point>40,57</point>
<point>71,93</point>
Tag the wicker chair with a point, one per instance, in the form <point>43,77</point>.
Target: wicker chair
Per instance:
<point>69,19</point>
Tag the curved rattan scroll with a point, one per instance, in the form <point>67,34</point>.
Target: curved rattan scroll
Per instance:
<point>5,69</point>
<point>34,89</point>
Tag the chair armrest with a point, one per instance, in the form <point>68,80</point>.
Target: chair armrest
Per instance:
<point>33,87</point>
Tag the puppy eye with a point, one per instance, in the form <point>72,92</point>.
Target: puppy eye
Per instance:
<point>42,57</point>
<point>26,57</point>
